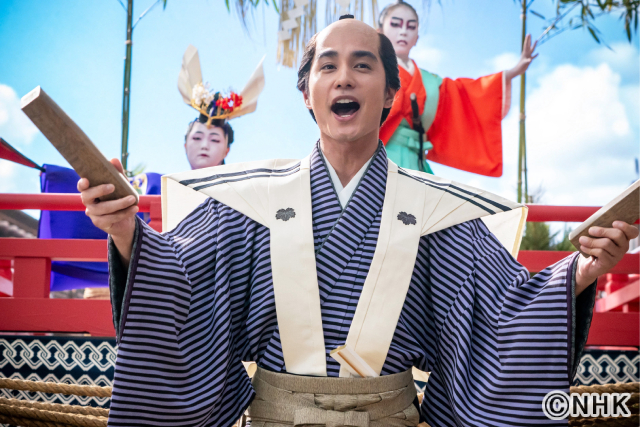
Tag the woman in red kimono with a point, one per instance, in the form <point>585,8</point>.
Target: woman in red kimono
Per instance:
<point>461,118</point>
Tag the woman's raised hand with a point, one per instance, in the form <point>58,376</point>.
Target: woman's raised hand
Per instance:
<point>525,59</point>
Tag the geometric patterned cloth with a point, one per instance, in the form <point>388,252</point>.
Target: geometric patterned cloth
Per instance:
<point>63,359</point>
<point>608,367</point>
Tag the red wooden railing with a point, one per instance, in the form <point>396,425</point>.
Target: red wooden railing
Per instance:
<point>28,261</point>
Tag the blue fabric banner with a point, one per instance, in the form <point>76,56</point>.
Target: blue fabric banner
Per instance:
<point>76,225</point>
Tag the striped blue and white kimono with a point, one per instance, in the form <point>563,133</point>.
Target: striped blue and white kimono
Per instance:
<point>198,300</point>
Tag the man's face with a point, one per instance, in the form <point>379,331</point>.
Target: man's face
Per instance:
<point>206,147</point>
<point>347,84</point>
<point>401,27</point>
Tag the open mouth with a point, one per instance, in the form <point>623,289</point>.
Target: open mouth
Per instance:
<point>345,107</point>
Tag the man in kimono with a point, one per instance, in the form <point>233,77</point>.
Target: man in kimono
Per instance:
<point>295,264</point>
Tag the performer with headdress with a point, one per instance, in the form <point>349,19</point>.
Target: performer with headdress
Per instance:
<point>209,137</point>
<point>458,121</point>
<point>337,274</point>
<point>207,143</point>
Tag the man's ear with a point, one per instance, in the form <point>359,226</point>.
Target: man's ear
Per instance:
<point>389,95</point>
<point>307,101</point>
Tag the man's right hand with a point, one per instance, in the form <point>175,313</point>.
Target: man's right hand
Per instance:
<point>115,217</point>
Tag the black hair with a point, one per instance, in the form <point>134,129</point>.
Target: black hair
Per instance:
<point>387,56</point>
<point>221,123</point>
<point>388,8</point>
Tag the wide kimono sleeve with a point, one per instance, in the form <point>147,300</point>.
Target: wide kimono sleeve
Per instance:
<point>466,132</point>
<point>499,339</point>
<point>179,323</point>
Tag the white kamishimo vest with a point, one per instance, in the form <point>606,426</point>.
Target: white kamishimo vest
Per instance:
<point>277,194</point>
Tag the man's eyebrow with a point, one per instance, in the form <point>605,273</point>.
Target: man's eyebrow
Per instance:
<point>364,54</point>
<point>328,54</point>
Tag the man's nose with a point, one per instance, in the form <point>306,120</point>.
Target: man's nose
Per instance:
<point>344,78</point>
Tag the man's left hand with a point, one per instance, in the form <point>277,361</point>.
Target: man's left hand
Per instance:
<point>606,247</point>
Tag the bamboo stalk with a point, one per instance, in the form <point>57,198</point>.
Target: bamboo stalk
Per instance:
<point>126,95</point>
<point>522,146</point>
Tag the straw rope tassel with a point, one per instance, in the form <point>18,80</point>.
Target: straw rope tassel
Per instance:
<point>297,25</point>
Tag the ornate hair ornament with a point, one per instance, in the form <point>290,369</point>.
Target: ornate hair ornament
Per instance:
<point>216,106</point>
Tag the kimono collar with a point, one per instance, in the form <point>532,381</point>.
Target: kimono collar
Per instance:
<point>345,192</point>
<point>409,66</point>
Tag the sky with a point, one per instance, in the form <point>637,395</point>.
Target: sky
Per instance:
<point>583,99</point>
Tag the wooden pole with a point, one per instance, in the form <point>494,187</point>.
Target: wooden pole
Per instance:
<point>522,160</point>
<point>124,153</point>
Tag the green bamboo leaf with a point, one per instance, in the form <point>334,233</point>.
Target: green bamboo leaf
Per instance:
<point>593,34</point>
<point>226,2</point>
<point>537,14</point>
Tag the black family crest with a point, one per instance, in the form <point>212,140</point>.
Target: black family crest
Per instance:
<point>285,214</point>
<point>407,218</point>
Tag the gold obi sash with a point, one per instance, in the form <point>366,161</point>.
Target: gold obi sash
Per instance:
<point>291,400</point>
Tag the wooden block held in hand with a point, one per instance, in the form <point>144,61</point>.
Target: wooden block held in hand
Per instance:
<point>74,145</point>
<point>625,207</point>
